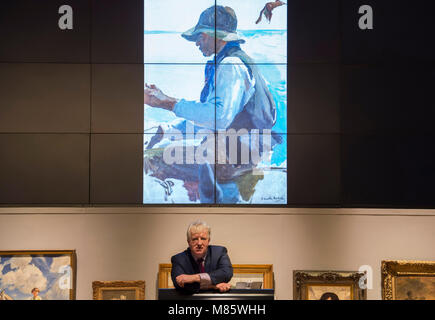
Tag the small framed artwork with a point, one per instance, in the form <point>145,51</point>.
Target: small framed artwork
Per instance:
<point>245,276</point>
<point>408,280</point>
<point>328,285</point>
<point>252,276</point>
<point>165,280</point>
<point>38,275</point>
<point>118,290</point>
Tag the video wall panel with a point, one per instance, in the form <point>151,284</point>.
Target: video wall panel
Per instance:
<point>314,98</point>
<point>44,168</point>
<point>414,170</point>
<point>387,98</point>
<point>393,31</point>
<point>388,170</point>
<point>117,34</point>
<point>346,96</point>
<point>115,163</point>
<point>367,171</point>
<point>314,169</point>
<point>116,90</point>
<point>44,97</point>
<point>45,31</point>
<point>314,31</point>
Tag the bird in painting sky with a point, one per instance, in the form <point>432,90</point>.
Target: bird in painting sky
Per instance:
<point>267,10</point>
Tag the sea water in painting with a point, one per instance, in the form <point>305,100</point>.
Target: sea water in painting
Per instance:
<point>29,277</point>
<point>215,125</point>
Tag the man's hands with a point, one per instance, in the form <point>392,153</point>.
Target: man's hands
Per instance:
<point>182,279</point>
<point>223,287</point>
<point>154,97</point>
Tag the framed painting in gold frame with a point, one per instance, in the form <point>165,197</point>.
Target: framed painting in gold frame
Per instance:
<point>118,290</point>
<point>38,275</point>
<point>408,280</point>
<point>327,285</point>
<point>245,276</point>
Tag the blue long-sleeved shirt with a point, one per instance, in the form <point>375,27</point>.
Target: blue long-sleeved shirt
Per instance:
<point>232,89</point>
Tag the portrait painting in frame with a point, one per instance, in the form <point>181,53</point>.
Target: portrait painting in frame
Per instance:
<point>408,280</point>
<point>328,285</point>
<point>118,290</point>
<point>38,275</point>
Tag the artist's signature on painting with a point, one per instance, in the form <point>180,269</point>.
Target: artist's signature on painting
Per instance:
<point>269,198</point>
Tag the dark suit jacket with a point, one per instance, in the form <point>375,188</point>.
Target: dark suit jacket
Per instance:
<point>217,265</point>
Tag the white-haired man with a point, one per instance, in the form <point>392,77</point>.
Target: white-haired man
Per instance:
<point>201,266</point>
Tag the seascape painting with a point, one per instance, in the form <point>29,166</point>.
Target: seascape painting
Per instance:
<point>215,102</point>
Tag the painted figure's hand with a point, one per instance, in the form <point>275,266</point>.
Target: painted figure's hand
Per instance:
<point>154,97</point>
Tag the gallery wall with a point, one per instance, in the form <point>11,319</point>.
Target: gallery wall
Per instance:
<point>122,246</point>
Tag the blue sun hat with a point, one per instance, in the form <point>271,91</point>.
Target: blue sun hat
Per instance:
<point>226,25</point>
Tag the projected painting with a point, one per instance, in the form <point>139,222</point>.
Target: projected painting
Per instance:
<point>215,102</point>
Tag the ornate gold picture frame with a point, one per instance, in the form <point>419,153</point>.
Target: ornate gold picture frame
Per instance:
<point>408,280</point>
<point>254,276</point>
<point>118,290</point>
<point>319,285</point>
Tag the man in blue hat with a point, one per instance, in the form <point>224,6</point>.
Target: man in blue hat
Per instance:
<point>234,96</point>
